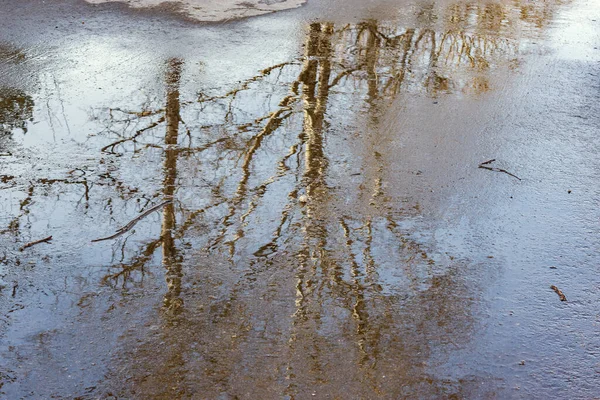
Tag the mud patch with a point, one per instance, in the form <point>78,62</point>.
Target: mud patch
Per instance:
<point>213,10</point>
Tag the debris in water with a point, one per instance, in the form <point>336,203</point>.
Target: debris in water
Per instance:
<point>560,294</point>
<point>484,165</point>
<point>44,240</point>
<point>134,221</point>
<point>6,178</point>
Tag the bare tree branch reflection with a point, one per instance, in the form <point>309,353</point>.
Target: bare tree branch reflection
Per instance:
<point>285,257</point>
<point>365,293</point>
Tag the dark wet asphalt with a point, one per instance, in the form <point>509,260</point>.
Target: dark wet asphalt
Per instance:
<point>321,228</point>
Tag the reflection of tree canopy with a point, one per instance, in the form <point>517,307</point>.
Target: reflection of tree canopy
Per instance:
<point>16,108</point>
<point>259,218</point>
<point>235,136</point>
<point>10,54</point>
<point>381,55</point>
<point>252,172</point>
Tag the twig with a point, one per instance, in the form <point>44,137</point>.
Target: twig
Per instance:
<point>44,240</point>
<point>483,165</point>
<point>560,294</point>
<point>134,221</point>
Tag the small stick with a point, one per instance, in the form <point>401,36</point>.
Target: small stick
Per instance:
<point>44,240</point>
<point>483,166</point>
<point>134,221</point>
<point>560,294</point>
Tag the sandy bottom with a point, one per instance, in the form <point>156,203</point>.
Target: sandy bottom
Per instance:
<point>214,10</point>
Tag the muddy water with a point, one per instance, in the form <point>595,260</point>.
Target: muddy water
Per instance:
<point>291,205</point>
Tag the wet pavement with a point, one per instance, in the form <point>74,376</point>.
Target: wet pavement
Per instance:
<point>300,205</point>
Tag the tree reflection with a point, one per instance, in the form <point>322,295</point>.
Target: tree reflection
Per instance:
<point>285,270</point>
<point>16,109</point>
<point>171,259</point>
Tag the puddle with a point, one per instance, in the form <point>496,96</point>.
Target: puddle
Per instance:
<point>306,220</point>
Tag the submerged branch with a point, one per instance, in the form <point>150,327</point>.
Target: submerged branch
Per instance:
<point>44,240</point>
<point>134,221</point>
<point>484,165</point>
<point>560,294</point>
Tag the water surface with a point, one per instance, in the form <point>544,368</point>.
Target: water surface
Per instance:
<point>323,228</point>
